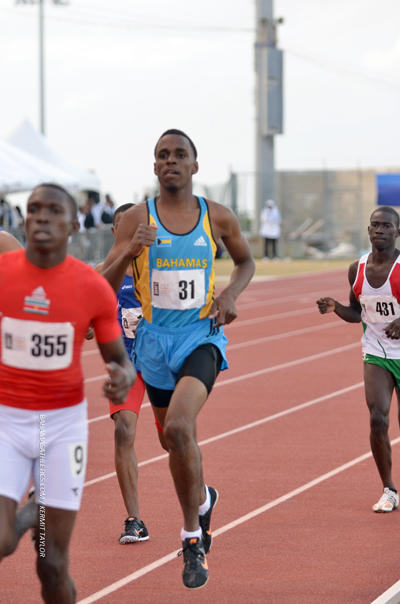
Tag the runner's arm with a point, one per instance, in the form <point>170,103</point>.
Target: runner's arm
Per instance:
<point>132,236</point>
<point>224,307</point>
<point>350,313</point>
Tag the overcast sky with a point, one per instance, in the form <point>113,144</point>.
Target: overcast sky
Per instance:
<point>120,72</point>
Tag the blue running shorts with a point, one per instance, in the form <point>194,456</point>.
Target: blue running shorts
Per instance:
<point>159,352</point>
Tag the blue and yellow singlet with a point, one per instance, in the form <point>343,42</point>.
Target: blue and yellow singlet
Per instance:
<point>174,278</point>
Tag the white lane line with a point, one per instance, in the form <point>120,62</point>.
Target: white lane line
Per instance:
<point>308,295</point>
<point>314,357</point>
<point>227,527</point>
<point>283,315</point>
<point>261,371</point>
<point>279,336</point>
<point>255,342</point>
<point>95,379</point>
<point>391,595</point>
<point>259,422</point>
<point>85,353</point>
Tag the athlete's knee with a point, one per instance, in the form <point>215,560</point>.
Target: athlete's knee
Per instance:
<point>379,421</point>
<point>178,433</point>
<point>162,440</point>
<point>125,430</point>
<point>52,568</point>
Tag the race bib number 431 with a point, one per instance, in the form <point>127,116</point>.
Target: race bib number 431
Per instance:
<point>36,346</point>
<point>380,309</point>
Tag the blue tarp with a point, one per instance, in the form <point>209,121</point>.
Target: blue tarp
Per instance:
<point>388,189</point>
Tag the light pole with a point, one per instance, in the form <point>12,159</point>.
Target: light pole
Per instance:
<point>41,67</point>
<point>269,95</point>
<point>42,100</point>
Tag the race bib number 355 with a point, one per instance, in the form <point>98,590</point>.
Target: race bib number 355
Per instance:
<point>380,309</point>
<point>36,346</point>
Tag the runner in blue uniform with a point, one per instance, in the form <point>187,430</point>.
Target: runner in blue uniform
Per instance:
<point>180,343</point>
<point>125,416</point>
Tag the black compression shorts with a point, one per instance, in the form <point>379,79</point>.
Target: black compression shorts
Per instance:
<point>204,363</point>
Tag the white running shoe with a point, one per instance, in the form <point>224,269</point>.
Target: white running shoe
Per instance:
<point>388,502</point>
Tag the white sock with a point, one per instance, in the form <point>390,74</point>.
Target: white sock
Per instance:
<point>204,507</point>
<point>190,534</point>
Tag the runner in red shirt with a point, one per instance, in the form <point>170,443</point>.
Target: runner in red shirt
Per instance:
<point>47,302</point>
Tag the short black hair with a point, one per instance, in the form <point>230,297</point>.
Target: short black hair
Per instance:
<point>123,208</point>
<point>389,210</point>
<point>180,133</point>
<point>71,200</point>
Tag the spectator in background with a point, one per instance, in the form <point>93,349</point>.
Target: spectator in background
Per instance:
<point>108,210</point>
<point>270,229</point>
<point>96,208</point>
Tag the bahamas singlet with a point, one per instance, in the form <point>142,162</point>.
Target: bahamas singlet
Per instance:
<point>174,278</point>
<point>379,307</point>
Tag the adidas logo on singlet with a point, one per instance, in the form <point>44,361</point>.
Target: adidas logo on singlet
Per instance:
<point>200,241</point>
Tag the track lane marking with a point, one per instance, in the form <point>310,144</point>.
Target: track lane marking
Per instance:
<point>313,357</point>
<point>255,373</point>
<point>227,527</point>
<point>259,422</point>
<point>249,343</point>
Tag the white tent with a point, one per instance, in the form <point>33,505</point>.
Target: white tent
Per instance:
<point>30,140</point>
<point>21,171</point>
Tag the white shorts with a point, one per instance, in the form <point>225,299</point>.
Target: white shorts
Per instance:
<point>49,446</point>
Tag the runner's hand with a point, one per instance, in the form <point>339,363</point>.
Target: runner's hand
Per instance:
<point>326,305</point>
<point>144,236</point>
<point>393,330</point>
<point>89,334</point>
<point>223,309</point>
<point>118,384</point>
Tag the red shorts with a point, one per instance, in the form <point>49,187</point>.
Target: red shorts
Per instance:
<point>134,400</point>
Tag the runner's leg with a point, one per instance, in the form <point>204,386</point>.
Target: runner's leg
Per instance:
<point>379,385</point>
<point>52,568</point>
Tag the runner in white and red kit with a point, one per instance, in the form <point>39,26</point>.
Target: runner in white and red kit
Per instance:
<point>374,300</point>
<point>47,302</point>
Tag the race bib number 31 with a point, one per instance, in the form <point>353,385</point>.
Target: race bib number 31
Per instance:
<point>178,290</point>
<point>380,309</point>
<point>36,346</point>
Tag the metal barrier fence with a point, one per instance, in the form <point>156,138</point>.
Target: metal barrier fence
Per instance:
<point>91,246</point>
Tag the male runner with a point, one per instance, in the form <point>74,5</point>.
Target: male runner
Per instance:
<point>180,343</point>
<point>125,416</point>
<point>47,302</point>
<point>374,300</point>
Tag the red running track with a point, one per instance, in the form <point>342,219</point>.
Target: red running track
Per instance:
<point>284,437</point>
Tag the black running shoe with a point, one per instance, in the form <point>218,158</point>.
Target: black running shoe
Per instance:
<point>205,521</point>
<point>195,568</point>
<point>135,530</point>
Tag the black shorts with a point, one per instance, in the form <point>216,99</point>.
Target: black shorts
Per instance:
<point>204,363</point>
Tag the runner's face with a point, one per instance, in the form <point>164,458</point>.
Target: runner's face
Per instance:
<point>175,163</point>
<point>116,223</point>
<point>49,220</point>
<point>382,230</point>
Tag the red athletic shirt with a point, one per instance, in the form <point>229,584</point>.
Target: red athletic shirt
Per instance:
<point>45,314</point>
